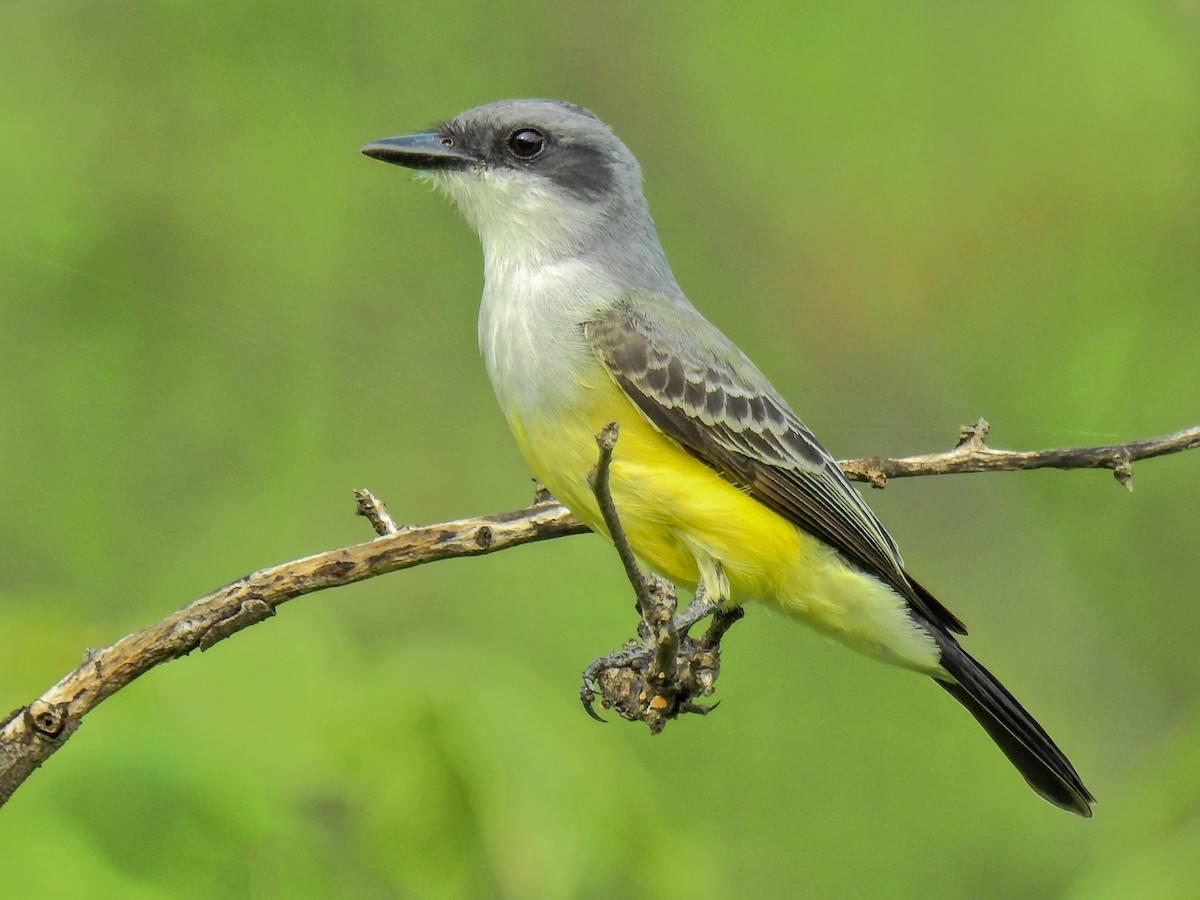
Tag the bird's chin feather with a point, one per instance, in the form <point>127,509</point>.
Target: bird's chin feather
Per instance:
<point>432,177</point>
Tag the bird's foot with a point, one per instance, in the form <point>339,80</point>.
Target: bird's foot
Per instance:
<point>663,675</point>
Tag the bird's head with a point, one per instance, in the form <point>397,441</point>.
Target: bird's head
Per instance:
<point>529,173</point>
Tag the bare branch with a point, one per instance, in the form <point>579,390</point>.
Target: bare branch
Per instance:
<point>973,455</point>
<point>29,735</point>
<point>32,733</point>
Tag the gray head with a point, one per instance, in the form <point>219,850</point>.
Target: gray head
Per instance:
<point>538,180</point>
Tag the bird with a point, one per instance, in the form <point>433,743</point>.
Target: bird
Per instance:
<point>717,483</point>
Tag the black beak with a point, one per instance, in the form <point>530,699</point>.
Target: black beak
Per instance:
<point>428,150</point>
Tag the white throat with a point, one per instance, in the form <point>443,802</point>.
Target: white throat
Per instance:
<point>548,269</point>
<point>521,217</point>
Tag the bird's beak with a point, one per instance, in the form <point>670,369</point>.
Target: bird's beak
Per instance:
<point>428,150</point>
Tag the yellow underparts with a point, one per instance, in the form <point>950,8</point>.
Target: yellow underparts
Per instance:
<point>690,525</point>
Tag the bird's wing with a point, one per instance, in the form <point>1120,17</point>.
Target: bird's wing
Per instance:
<point>694,385</point>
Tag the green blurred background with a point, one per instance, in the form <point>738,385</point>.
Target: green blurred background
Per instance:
<point>216,319</point>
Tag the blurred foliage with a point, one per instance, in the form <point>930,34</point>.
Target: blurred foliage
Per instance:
<point>218,319</point>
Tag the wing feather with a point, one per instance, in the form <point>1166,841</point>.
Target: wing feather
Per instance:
<point>708,396</point>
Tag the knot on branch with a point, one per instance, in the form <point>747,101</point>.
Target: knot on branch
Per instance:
<point>46,720</point>
<point>874,472</point>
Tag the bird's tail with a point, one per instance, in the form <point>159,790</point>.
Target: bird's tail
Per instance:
<point>1014,730</point>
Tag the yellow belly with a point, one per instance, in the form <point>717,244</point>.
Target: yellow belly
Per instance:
<point>682,519</point>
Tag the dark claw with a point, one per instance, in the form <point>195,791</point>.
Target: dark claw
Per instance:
<point>588,697</point>
<point>698,709</point>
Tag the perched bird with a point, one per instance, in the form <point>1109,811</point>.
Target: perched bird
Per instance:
<point>716,481</point>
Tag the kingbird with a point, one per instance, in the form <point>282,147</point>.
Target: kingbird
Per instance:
<point>715,479</point>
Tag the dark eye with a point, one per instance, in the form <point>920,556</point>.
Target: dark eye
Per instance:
<point>526,143</point>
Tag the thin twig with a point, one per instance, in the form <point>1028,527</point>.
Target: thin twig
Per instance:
<point>373,510</point>
<point>973,455</point>
<point>606,440</point>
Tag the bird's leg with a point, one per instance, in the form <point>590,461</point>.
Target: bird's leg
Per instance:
<point>659,677</point>
<point>701,607</point>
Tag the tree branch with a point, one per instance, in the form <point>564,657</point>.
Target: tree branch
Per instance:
<point>971,454</point>
<point>32,733</point>
<point>606,441</point>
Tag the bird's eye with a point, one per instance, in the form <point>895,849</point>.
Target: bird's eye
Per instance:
<point>526,143</point>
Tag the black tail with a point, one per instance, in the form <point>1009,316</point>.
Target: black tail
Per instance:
<point>1014,730</point>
